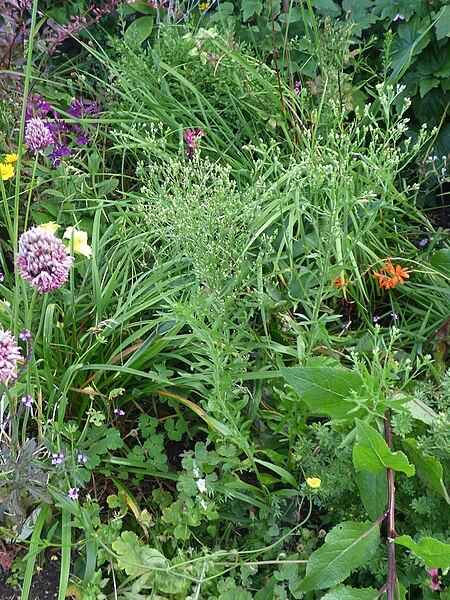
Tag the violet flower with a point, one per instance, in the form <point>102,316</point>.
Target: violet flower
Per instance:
<point>74,493</point>
<point>434,585</point>
<point>9,355</point>
<point>43,260</point>
<point>37,134</point>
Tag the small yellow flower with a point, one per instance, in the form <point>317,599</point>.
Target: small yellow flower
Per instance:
<point>313,482</point>
<point>10,158</point>
<point>51,226</point>
<point>79,240</point>
<point>204,5</point>
<point>7,171</point>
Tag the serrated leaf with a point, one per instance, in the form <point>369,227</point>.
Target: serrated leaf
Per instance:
<point>428,468</point>
<point>138,31</point>
<point>443,23</point>
<point>412,37</point>
<point>373,489</point>
<point>426,84</point>
<point>347,546</point>
<point>372,453</point>
<point>433,552</point>
<point>349,593</point>
<point>250,8</point>
<point>324,389</point>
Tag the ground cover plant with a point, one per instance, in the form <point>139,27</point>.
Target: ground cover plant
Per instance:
<point>224,315</point>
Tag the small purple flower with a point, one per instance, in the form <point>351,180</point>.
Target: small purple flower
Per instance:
<point>394,316</point>
<point>43,260</point>
<point>81,458</point>
<point>192,139</point>
<point>398,17</point>
<point>37,134</point>
<point>119,412</point>
<point>58,458</point>
<point>346,326</point>
<point>297,87</point>
<point>9,355</point>
<point>25,335</point>
<point>74,493</point>
<point>36,107</point>
<point>27,401</point>
<point>2,278</point>
<point>376,318</point>
<point>434,585</point>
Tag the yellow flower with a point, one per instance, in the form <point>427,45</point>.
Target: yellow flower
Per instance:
<point>313,482</point>
<point>204,5</point>
<point>79,240</point>
<point>10,158</point>
<point>7,171</point>
<point>51,226</point>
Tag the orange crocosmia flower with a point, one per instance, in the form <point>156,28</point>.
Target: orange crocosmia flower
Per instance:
<point>337,283</point>
<point>389,275</point>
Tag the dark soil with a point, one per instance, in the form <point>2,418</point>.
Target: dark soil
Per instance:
<point>45,584</point>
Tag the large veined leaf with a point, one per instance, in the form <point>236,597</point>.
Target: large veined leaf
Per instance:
<point>347,546</point>
<point>372,453</point>
<point>428,467</point>
<point>434,553</point>
<point>325,389</point>
<point>373,489</point>
<point>443,23</point>
<point>349,593</point>
<point>138,31</point>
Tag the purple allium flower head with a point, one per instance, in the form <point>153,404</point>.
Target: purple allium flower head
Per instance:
<point>43,260</point>
<point>119,412</point>
<point>25,335</point>
<point>27,401</point>
<point>37,134</point>
<point>58,458</point>
<point>74,493</point>
<point>9,355</point>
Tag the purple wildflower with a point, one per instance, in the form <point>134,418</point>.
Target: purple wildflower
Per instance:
<point>58,458</point>
<point>376,318</point>
<point>25,335</point>
<point>36,107</point>
<point>192,139</point>
<point>398,17</point>
<point>297,87</point>
<point>434,585</point>
<point>394,316</point>
<point>81,458</point>
<point>74,493</point>
<point>2,278</point>
<point>43,260</point>
<point>37,134</point>
<point>119,412</point>
<point>27,401</point>
<point>9,355</point>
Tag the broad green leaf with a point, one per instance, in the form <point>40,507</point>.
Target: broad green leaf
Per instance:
<point>373,489</point>
<point>443,23</point>
<point>372,453</point>
<point>138,31</point>
<point>412,37</point>
<point>360,13</point>
<point>349,593</point>
<point>326,8</point>
<point>426,84</point>
<point>324,389</point>
<point>347,546</point>
<point>250,8</point>
<point>420,411</point>
<point>434,553</point>
<point>428,468</point>
<point>279,470</point>
<point>441,261</point>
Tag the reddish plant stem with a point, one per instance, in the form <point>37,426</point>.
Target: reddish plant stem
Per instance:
<point>392,581</point>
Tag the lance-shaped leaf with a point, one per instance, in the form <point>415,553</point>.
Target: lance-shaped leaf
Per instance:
<point>325,389</point>
<point>349,593</point>
<point>347,546</point>
<point>434,553</point>
<point>428,468</point>
<point>372,453</point>
<point>373,489</point>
